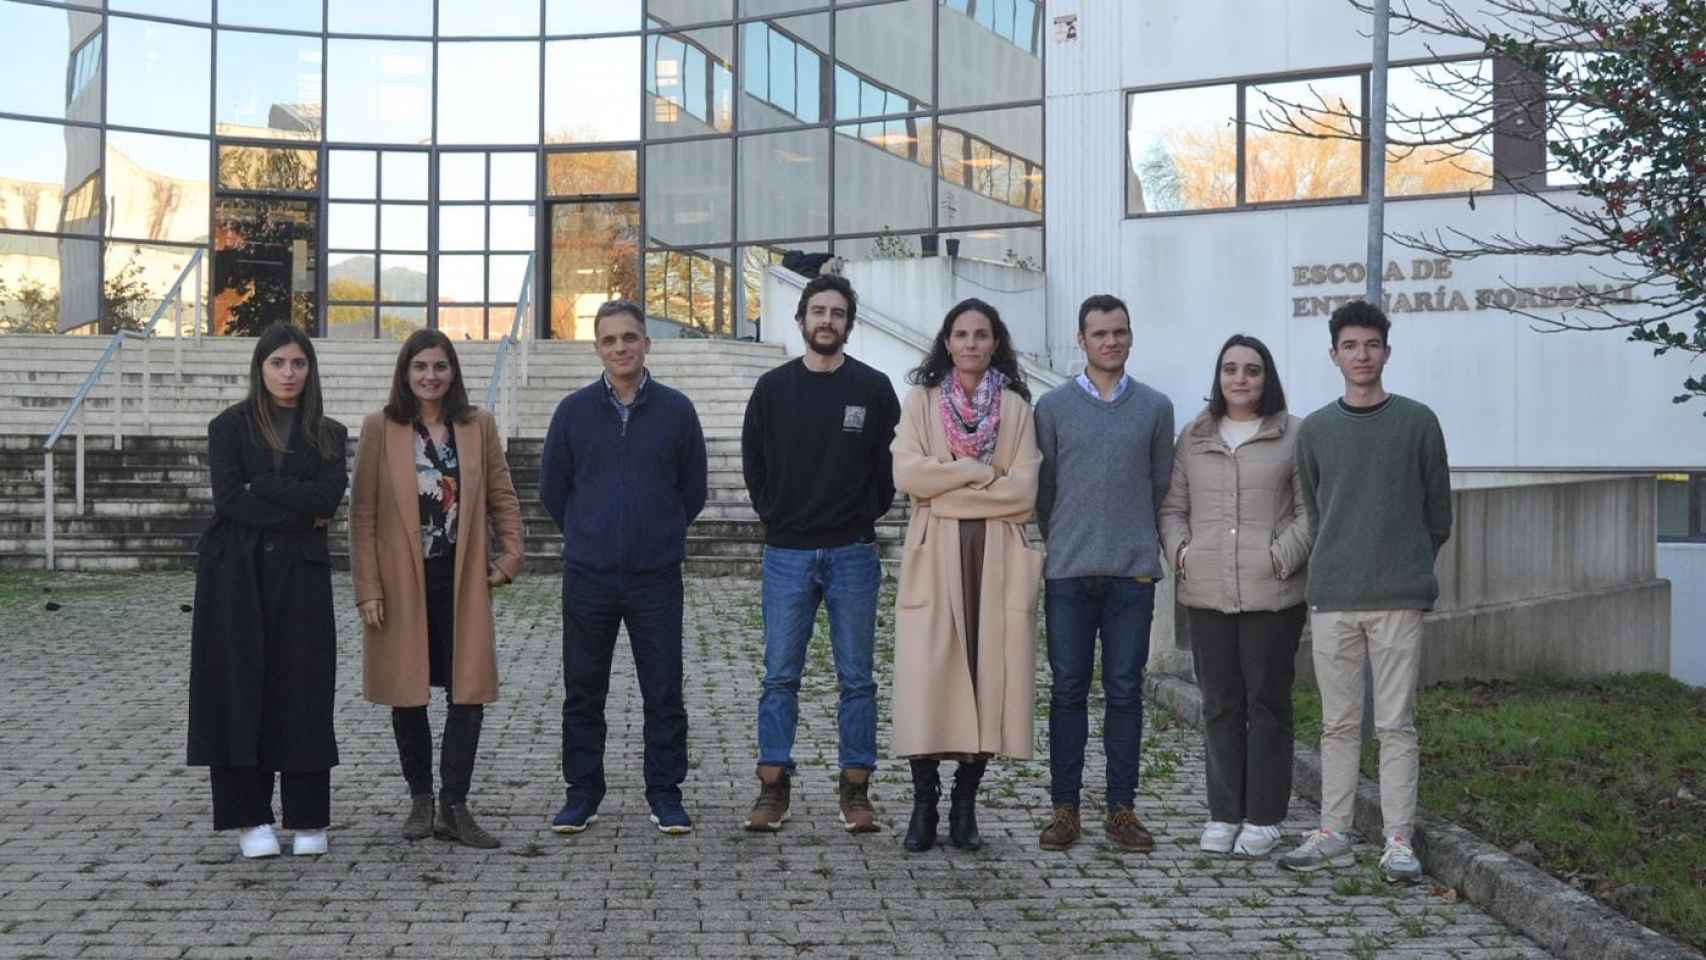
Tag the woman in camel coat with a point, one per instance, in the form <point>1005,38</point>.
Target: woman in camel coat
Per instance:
<point>965,624</point>
<point>430,478</point>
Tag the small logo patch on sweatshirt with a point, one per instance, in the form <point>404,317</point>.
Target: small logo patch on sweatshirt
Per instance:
<point>853,419</point>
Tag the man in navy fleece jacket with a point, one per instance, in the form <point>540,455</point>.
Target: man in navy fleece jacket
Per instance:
<point>623,473</point>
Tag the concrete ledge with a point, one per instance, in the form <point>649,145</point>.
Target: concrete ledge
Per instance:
<point>1569,923</point>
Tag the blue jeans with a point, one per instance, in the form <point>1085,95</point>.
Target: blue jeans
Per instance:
<point>1077,609</point>
<point>594,608</point>
<point>845,580</point>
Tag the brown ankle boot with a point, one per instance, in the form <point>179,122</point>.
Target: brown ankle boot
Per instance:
<point>856,811</point>
<point>770,810</point>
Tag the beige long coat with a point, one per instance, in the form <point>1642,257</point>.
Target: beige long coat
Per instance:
<point>385,557</point>
<point>1241,513</point>
<point>935,710</point>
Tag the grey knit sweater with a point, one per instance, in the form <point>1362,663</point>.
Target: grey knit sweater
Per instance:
<point>1106,468</point>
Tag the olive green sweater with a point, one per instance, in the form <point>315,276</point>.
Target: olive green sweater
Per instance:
<point>1378,491</point>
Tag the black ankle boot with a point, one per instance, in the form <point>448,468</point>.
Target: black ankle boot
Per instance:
<point>962,805</point>
<point>926,790</point>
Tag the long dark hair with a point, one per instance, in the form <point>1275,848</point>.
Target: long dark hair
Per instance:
<point>402,406</point>
<point>1273,395</point>
<point>939,364</point>
<point>258,407</point>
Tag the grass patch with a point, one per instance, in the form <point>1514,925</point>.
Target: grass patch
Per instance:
<point>1605,777</point>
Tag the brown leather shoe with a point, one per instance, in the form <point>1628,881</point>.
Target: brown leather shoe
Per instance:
<point>418,824</point>
<point>1063,829</point>
<point>770,810</point>
<point>857,814</point>
<point>456,823</point>
<point>1127,832</point>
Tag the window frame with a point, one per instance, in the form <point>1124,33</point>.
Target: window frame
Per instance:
<point>1696,483</point>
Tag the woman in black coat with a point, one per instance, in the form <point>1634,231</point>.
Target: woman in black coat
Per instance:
<point>264,647</point>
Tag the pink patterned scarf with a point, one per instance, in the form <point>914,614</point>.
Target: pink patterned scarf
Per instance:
<point>973,422</point>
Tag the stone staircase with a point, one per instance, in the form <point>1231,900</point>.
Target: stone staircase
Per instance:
<point>148,500</point>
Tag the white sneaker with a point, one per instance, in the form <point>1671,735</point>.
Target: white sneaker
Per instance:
<point>1218,836</point>
<point>309,843</point>
<point>1398,864</point>
<point>1254,841</point>
<point>258,842</point>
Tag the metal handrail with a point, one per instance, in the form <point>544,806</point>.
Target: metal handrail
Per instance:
<point>502,374</point>
<point>115,351</point>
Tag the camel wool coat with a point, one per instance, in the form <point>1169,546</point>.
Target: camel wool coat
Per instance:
<point>386,559</point>
<point>935,710</point>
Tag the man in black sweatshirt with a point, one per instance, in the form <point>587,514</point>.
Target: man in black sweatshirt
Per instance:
<point>815,451</point>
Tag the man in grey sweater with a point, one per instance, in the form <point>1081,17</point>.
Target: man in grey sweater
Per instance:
<point>1378,491</point>
<point>1107,445</point>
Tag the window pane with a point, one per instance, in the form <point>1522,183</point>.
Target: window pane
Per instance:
<point>890,45</point>
<point>53,62</point>
<point>156,187</point>
<point>462,228</point>
<point>138,277</point>
<point>489,92</point>
<point>396,323</point>
<point>754,8</point>
<point>1182,147</point>
<point>281,14</point>
<point>266,168</point>
<point>783,71</point>
<point>687,192</point>
<point>48,177</point>
<point>693,11</point>
<point>393,17</point>
<point>181,9</point>
<point>404,175</point>
<point>573,67</point>
<point>877,190</point>
<point>349,276</point>
<point>691,291</point>
<point>402,278</point>
<point>513,176</point>
<point>599,16</point>
<point>1000,170</point>
<point>265,259</point>
<point>1673,505</point>
<point>1013,64</point>
<point>402,226</point>
<point>47,285</point>
<point>488,18</point>
<point>1429,148</point>
<point>349,322</point>
<point>462,176</point>
<point>591,172</point>
<point>379,91</point>
<point>353,174</point>
<point>159,75</point>
<point>594,258</point>
<point>269,85</point>
<point>793,165</point>
<point>512,227</point>
<point>462,279</point>
<point>1322,160</point>
<point>504,273</point>
<point>351,226</point>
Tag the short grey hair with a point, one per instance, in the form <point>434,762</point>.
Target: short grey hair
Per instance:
<point>613,307</point>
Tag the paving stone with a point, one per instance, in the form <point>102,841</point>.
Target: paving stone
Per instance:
<point>105,847</point>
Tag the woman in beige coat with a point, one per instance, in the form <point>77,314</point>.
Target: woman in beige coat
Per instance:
<point>965,623</point>
<point>1234,526</point>
<point>430,477</point>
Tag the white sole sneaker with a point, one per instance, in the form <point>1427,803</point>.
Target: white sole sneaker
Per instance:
<point>1255,842</point>
<point>569,828</point>
<point>258,842</point>
<point>308,843</point>
<point>672,831</point>
<point>1218,837</point>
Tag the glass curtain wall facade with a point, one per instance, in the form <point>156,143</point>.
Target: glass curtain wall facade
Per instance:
<point>366,169</point>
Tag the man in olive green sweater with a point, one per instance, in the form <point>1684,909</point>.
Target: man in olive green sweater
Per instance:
<point>1378,491</point>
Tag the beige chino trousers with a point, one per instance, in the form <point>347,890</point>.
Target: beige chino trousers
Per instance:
<point>1391,641</point>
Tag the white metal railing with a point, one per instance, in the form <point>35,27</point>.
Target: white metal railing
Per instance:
<point>503,390</point>
<point>114,354</point>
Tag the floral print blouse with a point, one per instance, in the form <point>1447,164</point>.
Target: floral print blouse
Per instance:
<point>437,481</point>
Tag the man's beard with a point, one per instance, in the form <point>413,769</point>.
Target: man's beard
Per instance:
<point>826,350</point>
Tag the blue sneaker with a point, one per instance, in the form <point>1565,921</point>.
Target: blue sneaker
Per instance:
<point>576,815</point>
<point>670,816</point>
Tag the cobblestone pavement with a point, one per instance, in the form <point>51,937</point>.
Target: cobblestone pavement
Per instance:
<point>106,851</point>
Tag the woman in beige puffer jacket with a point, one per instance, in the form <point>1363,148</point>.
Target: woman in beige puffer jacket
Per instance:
<point>1234,527</point>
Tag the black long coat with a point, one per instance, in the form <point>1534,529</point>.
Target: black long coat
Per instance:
<point>263,650</point>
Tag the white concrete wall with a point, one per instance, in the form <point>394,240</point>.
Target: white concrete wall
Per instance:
<point>1684,565</point>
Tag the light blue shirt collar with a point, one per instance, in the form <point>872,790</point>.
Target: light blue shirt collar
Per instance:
<point>1090,388</point>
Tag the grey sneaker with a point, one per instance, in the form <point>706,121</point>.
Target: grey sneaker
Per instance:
<point>1319,850</point>
<point>1399,864</point>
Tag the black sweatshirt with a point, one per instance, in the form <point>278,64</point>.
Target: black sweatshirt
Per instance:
<point>815,451</point>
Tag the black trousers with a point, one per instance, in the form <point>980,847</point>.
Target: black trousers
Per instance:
<point>242,797</point>
<point>1245,665</point>
<point>462,721</point>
